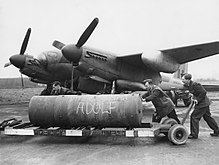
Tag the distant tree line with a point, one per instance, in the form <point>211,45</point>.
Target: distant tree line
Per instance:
<point>206,80</point>
<point>15,83</point>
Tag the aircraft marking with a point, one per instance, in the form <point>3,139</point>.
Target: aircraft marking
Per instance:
<point>95,55</point>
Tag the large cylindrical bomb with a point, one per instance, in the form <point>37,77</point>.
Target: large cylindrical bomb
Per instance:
<point>122,110</point>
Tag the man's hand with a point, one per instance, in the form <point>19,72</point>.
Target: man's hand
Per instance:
<point>195,101</point>
<point>142,99</point>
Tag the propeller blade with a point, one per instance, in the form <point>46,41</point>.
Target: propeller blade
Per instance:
<point>84,37</point>
<point>25,42</point>
<point>7,64</point>
<point>58,44</point>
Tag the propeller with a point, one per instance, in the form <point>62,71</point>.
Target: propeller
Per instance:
<point>73,52</point>
<point>18,60</point>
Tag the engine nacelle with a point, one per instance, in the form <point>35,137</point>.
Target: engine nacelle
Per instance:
<point>160,61</point>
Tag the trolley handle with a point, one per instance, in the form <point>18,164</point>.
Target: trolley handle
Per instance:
<point>188,111</point>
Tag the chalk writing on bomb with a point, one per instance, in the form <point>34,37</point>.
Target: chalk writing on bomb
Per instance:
<point>96,107</point>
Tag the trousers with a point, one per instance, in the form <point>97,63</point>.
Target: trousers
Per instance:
<point>196,116</point>
<point>172,115</point>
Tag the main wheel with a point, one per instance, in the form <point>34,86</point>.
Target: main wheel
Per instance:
<point>178,134</point>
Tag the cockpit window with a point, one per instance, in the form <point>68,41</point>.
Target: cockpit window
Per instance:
<point>42,58</point>
<point>49,57</point>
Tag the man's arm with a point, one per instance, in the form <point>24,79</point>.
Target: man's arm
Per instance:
<point>154,94</point>
<point>202,92</point>
<point>146,94</point>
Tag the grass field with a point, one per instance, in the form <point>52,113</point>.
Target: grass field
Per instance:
<point>12,96</point>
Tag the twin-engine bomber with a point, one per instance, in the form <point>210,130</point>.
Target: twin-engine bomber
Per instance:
<point>91,70</point>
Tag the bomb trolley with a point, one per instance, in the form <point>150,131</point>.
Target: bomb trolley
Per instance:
<point>177,133</point>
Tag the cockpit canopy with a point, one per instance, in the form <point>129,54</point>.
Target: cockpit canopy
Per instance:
<point>50,57</point>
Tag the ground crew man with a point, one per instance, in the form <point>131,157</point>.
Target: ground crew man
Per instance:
<point>201,108</point>
<point>161,101</point>
<point>58,90</point>
<point>47,90</point>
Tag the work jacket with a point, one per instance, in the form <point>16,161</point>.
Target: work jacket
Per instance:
<point>161,101</point>
<point>60,91</point>
<point>199,93</point>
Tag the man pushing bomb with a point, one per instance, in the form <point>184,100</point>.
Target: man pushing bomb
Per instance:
<point>201,108</point>
<point>163,104</point>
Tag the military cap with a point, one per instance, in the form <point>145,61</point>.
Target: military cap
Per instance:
<point>188,76</point>
<point>56,83</point>
<point>148,81</point>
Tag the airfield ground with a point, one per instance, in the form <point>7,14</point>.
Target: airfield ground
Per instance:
<point>102,150</point>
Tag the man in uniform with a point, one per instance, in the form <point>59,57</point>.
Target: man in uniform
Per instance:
<point>201,108</point>
<point>161,101</point>
<point>58,90</point>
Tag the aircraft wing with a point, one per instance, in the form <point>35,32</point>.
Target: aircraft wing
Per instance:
<point>194,52</point>
<point>133,59</point>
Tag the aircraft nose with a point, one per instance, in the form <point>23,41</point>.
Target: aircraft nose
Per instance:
<point>18,60</point>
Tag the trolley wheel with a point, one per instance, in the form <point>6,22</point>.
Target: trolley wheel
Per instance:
<point>169,121</point>
<point>178,134</point>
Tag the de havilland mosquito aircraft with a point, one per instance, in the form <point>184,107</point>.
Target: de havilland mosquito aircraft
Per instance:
<point>92,70</point>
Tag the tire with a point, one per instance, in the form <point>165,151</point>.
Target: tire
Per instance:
<point>169,121</point>
<point>178,134</point>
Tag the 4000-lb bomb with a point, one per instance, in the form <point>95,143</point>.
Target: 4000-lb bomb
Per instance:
<point>86,110</point>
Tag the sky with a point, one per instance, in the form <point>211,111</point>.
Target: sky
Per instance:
<point>125,27</point>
